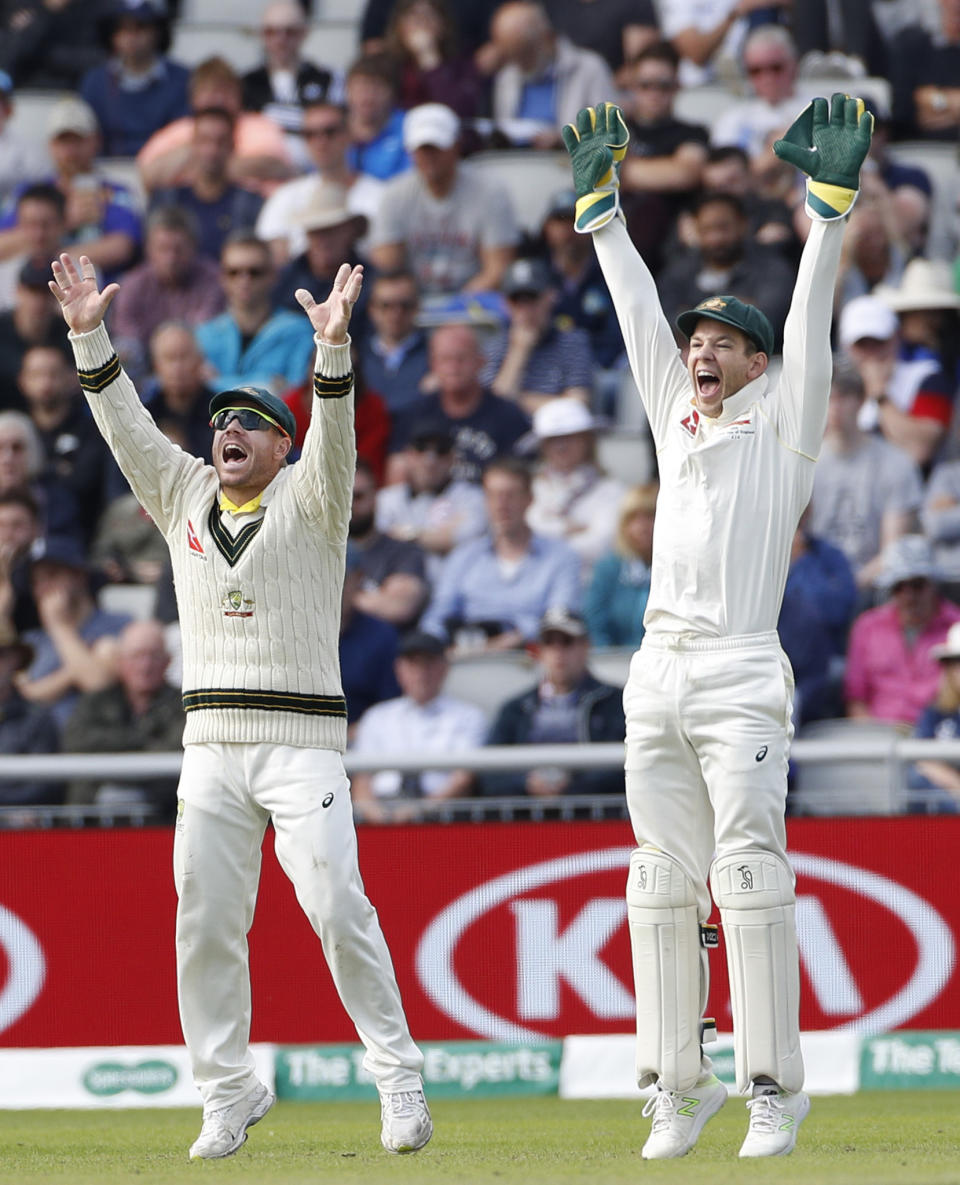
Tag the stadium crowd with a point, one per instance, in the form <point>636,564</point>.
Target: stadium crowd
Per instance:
<point>490,371</point>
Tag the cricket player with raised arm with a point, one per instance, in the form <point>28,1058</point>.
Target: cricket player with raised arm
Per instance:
<point>258,550</point>
<point>709,696</point>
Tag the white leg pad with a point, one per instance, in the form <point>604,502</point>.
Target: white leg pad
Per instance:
<point>755,893</point>
<point>669,970</point>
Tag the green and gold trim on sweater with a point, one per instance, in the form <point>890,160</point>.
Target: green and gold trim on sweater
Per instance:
<point>103,376</point>
<point>326,388</point>
<point>265,701</point>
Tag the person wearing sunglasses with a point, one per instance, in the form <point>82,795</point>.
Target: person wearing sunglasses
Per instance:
<point>258,550</point>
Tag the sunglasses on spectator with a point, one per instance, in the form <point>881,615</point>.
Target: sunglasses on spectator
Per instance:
<point>255,273</point>
<point>766,68</point>
<point>248,419</point>
<point>443,448</point>
<point>914,584</point>
<point>327,132</point>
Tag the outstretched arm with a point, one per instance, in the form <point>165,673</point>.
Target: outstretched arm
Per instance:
<point>328,458</point>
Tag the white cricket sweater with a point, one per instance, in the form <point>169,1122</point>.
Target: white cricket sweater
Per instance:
<point>259,609</point>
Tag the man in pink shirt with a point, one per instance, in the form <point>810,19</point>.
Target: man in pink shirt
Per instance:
<point>890,673</point>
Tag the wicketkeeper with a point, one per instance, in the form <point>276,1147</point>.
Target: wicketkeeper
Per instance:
<point>258,550</point>
<point>709,697</point>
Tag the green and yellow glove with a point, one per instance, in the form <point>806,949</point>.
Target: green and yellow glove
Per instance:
<point>597,144</point>
<point>829,144</point>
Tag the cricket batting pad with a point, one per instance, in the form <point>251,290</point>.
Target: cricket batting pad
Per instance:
<point>669,970</point>
<point>754,891</point>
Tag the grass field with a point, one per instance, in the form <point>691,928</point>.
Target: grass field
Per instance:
<point>869,1139</point>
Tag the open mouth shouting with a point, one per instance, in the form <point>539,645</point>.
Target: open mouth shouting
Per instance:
<point>708,382</point>
<point>233,453</point>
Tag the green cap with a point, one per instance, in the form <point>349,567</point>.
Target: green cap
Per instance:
<point>745,317</point>
<point>262,400</point>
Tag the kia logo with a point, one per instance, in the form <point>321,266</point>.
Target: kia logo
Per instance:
<point>547,954</point>
<point>26,968</point>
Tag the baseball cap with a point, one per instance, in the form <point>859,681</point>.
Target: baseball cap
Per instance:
<point>907,558</point>
<point>866,316</point>
<point>328,207</point>
<point>526,276</point>
<point>58,549</point>
<point>274,407</point>
<point>430,123</point>
<point>420,642</point>
<point>34,275</point>
<point>71,115</point>
<point>731,311</point>
<point>425,431</point>
<point>950,646</point>
<point>562,204</point>
<point>563,621</point>
<point>562,416</point>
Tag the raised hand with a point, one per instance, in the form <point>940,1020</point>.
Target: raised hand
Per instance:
<point>597,143</point>
<point>82,303</point>
<point>829,143</point>
<point>331,318</point>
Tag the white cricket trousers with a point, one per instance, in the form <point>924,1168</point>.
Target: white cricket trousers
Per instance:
<point>708,730</point>
<point>229,792</point>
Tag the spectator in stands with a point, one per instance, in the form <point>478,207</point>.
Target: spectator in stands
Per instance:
<point>568,706</point>
<point>139,713</point>
<point>24,727</point>
<point>22,161</point>
<point>471,23</point>
<point>219,207</point>
<point>283,85</point>
<point>76,645</point>
<point>616,598</point>
<point>925,73</point>
<point>933,784</point>
<point>770,64</point>
<point>22,469</point>
<point>36,236</point>
<point>394,585</point>
<point>823,575</point>
<point>728,170</point>
<point>261,159</point>
<point>866,491</point>
<point>911,403</point>
<point>891,673</point>
<point>872,252</point>
<point>448,224</point>
<point>665,158</point>
<point>395,352</point>
<point>709,36</point>
<point>431,507</point>
<point>848,29</point>
<point>177,394</point>
<point>493,590</point>
<point>32,321</point>
<point>375,119</point>
<point>543,79</point>
<point>139,89</point>
<point>333,232</point>
<point>20,528</point>
<point>421,37</point>
<point>74,450</point>
<point>253,343</point>
<point>368,648</point>
<point>484,426</point>
<point>50,46</point>
<point>618,30</point>
<point>128,547</point>
<point>581,295</point>
<point>174,282</point>
<point>928,309</point>
<point>537,358</point>
<point>573,499</point>
<point>727,260</point>
<point>326,139</point>
<point>421,720</point>
<point>806,643</point>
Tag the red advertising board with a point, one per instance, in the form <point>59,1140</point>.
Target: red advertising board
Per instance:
<point>497,930</point>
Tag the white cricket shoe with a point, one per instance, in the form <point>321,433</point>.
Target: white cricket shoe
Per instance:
<point>225,1129</point>
<point>775,1116</point>
<point>405,1120</point>
<point>679,1117</point>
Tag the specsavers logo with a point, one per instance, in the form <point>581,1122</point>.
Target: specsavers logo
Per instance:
<point>112,1078</point>
<point>26,968</point>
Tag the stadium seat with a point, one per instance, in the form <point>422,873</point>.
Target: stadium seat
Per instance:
<point>31,110</point>
<point>611,664</point>
<point>209,12</point>
<point>940,162</point>
<point>489,680</point>
<point>193,43</point>
<point>135,600</point>
<point>627,456</point>
<point>333,43</point>
<point>703,104</point>
<point>530,178</point>
<point>866,782</point>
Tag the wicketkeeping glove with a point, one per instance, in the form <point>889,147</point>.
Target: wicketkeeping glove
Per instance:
<point>829,144</point>
<point>597,144</point>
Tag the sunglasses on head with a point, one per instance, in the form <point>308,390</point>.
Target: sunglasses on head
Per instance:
<point>248,419</point>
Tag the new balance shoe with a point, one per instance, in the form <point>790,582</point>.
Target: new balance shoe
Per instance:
<point>775,1116</point>
<point>405,1123</point>
<point>679,1117</point>
<point>225,1129</point>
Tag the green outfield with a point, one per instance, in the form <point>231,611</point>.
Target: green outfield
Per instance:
<point>875,1138</point>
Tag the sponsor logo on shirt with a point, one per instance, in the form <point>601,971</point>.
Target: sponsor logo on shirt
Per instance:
<point>737,429</point>
<point>691,422</point>
<point>235,604</point>
<point>194,546</point>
